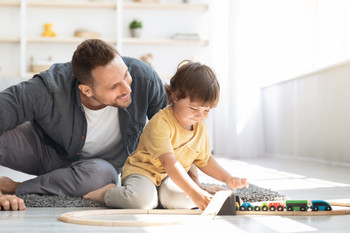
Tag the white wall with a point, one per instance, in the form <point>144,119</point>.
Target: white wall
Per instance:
<point>253,43</point>
<point>281,39</point>
<point>273,41</point>
<point>158,24</point>
<point>308,117</point>
<point>164,24</point>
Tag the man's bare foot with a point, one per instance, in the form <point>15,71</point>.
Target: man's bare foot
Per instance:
<point>99,194</point>
<point>7,185</point>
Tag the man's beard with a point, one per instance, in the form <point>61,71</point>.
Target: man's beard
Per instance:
<point>115,104</point>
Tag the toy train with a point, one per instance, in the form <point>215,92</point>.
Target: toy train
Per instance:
<point>291,205</point>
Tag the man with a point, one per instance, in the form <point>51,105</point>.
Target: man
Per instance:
<point>74,125</point>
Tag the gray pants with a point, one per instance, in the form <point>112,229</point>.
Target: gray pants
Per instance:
<point>23,149</point>
<point>138,192</point>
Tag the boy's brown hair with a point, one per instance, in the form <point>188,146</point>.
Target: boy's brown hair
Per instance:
<point>89,55</point>
<point>196,81</point>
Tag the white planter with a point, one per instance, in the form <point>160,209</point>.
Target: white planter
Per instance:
<point>135,32</point>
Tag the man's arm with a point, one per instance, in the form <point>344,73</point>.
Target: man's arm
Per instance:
<point>158,96</point>
<point>23,102</point>
<point>11,202</point>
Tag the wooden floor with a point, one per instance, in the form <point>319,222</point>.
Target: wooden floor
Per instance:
<point>295,178</point>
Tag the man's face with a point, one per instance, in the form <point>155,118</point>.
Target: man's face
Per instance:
<point>112,84</point>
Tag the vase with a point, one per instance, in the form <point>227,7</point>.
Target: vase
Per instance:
<point>135,32</point>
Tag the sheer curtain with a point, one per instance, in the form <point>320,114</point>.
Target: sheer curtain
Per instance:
<point>237,129</point>
<point>258,43</point>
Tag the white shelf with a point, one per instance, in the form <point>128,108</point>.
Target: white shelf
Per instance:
<point>71,4</point>
<point>10,3</point>
<point>142,41</point>
<point>63,40</point>
<point>11,75</point>
<point>9,39</point>
<point>29,75</point>
<point>111,5</point>
<point>165,6</point>
<point>126,41</point>
<point>119,6</point>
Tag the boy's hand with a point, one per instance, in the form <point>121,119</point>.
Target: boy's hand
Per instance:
<point>213,188</point>
<point>201,199</point>
<point>236,183</point>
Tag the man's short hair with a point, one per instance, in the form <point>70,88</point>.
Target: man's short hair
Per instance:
<point>89,55</point>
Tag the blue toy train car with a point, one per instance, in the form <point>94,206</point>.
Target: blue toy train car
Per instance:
<point>320,205</point>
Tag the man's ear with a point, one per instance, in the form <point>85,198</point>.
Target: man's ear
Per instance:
<point>85,89</point>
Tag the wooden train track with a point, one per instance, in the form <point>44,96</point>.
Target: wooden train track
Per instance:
<point>93,217</point>
<point>85,217</point>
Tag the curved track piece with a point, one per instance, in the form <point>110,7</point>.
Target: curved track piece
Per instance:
<point>91,217</point>
<point>86,217</point>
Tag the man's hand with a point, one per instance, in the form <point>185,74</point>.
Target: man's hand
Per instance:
<point>11,202</point>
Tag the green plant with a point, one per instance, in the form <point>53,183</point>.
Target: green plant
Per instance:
<point>135,24</point>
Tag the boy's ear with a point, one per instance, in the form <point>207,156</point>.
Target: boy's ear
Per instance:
<point>173,97</point>
<point>85,89</point>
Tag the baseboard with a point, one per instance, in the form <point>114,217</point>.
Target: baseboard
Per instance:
<point>323,161</point>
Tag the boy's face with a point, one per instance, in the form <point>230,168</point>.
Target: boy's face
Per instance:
<point>188,113</point>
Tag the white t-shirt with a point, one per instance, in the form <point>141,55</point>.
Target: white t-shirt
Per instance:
<point>103,132</point>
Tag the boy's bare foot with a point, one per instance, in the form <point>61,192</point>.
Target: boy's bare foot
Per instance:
<point>99,194</point>
<point>7,185</point>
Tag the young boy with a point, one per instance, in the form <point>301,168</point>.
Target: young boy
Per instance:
<point>173,139</point>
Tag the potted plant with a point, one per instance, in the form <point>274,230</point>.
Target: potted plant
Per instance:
<point>135,28</point>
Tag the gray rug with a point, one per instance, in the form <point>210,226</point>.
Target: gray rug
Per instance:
<point>252,194</point>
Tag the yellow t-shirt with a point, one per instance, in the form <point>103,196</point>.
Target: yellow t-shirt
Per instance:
<point>163,134</point>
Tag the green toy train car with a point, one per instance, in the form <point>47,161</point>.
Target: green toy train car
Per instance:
<point>297,205</point>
